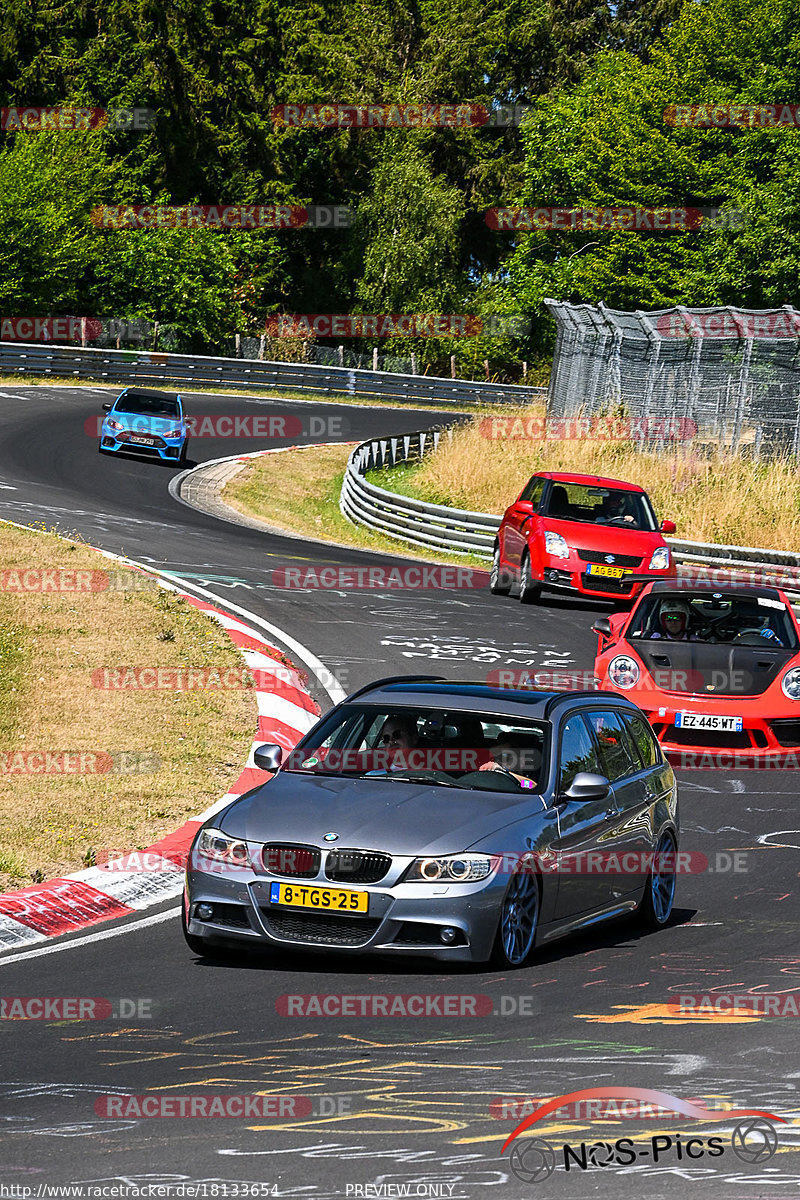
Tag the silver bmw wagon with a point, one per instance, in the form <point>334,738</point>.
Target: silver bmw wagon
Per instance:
<point>449,820</point>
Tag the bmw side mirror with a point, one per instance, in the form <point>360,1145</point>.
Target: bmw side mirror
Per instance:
<point>107,408</point>
<point>587,786</point>
<point>268,757</point>
<point>668,526</point>
<point>602,625</point>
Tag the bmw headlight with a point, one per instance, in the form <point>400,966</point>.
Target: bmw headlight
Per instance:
<point>791,684</point>
<point>660,559</point>
<point>216,845</point>
<point>454,868</point>
<point>623,671</point>
<point>554,544</point>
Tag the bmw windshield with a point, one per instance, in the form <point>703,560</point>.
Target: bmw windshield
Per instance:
<point>461,749</point>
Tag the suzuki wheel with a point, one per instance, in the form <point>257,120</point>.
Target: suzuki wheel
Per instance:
<point>499,581</point>
<point>529,588</point>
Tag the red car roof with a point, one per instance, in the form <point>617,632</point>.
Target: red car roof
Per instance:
<point>594,480</point>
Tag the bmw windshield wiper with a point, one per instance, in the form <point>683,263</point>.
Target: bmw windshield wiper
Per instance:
<point>414,777</point>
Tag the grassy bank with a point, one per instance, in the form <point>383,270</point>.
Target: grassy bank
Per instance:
<point>126,766</point>
<point>712,496</point>
<point>298,490</point>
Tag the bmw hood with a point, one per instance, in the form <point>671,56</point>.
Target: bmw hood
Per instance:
<point>370,814</point>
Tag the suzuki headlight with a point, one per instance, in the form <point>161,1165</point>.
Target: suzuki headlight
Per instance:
<point>554,544</point>
<point>217,846</point>
<point>454,868</point>
<point>623,671</point>
<point>791,684</point>
<point>660,559</point>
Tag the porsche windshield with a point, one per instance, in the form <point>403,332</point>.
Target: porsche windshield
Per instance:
<point>461,749</point>
<point>715,618</point>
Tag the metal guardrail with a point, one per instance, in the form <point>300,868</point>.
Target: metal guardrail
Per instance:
<point>133,366</point>
<point>457,530</point>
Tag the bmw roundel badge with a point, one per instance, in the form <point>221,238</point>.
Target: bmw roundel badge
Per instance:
<point>330,837</point>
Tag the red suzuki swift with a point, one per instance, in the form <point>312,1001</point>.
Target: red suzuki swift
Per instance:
<point>583,534</point>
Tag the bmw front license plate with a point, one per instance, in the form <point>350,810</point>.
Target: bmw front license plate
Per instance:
<point>322,899</point>
<point>600,569</point>
<point>688,720</point>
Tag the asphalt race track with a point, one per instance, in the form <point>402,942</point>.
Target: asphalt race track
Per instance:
<point>406,1100</point>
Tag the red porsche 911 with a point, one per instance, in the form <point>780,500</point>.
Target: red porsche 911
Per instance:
<point>580,533</point>
<point>712,668</point>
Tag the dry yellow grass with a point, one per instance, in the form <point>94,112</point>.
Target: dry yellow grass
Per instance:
<point>720,498</point>
<point>51,644</point>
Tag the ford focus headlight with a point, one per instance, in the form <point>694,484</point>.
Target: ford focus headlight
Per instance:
<point>554,544</point>
<point>623,671</point>
<point>173,433</point>
<point>113,424</point>
<point>660,559</point>
<point>454,868</point>
<point>217,846</point>
<point>790,684</point>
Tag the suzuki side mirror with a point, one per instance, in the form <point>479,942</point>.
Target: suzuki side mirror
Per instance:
<point>668,526</point>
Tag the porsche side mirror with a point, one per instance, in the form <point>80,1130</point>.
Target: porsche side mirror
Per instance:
<point>668,526</point>
<point>602,625</point>
<point>587,786</point>
<point>268,757</point>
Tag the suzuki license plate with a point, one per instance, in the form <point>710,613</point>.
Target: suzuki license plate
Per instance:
<point>612,572</point>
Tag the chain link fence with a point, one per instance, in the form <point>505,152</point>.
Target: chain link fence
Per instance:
<point>731,376</point>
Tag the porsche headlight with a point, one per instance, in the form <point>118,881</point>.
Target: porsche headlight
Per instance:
<point>791,684</point>
<point>623,671</point>
<point>554,544</point>
<point>217,846</point>
<point>454,868</point>
<point>660,559</point>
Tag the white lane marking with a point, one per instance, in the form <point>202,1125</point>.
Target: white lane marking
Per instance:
<point>101,936</point>
<point>7,487</point>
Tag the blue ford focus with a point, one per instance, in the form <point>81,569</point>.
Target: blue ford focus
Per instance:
<point>145,422</point>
